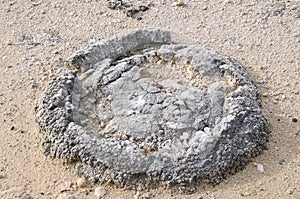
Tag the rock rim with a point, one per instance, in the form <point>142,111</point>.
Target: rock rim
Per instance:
<point>142,110</point>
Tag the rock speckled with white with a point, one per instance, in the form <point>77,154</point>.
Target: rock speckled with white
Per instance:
<point>205,103</point>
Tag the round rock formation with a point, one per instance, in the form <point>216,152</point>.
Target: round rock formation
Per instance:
<point>141,110</point>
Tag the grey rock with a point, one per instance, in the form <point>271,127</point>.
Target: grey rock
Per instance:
<point>144,124</point>
<point>129,9</point>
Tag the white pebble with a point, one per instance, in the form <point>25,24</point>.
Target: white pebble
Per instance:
<point>100,192</point>
<point>260,168</point>
<point>81,182</point>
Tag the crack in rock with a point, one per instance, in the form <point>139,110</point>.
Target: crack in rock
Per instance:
<point>143,111</point>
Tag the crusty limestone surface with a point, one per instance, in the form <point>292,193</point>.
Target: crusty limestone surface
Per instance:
<point>142,110</point>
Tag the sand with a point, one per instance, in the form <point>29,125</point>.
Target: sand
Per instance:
<point>37,36</point>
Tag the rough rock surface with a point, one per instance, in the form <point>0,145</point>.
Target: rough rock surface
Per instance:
<point>142,110</point>
<point>128,9</point>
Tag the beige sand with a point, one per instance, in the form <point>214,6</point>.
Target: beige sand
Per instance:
<point>37,35</point>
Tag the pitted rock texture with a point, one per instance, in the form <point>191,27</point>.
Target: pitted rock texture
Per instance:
<point>141,110</point>
<point>128,9</point>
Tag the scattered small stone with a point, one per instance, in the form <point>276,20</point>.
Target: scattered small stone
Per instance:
<point>128,9</point>
<point>12,128</point>
<point>91,89</point>
<point>282,162</point>
<point>81,182</point>
<point>265,94</point>
<point>227,1</point>
<point>160,62</point>
<point>294,120</point>
<point>260,67</point>
<point>180,3</point>
<point>100,192</point>
<point>36,3</point>
<point>93,116</point>
<point>204,8</point>
<point>9,43</point>
<point>161,132</point>
<point>21,131</point>
<point>260,168</point>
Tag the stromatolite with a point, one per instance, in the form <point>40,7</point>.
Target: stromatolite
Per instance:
<point>143,110</point>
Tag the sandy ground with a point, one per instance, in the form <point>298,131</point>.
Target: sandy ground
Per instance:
<point>36,36</point>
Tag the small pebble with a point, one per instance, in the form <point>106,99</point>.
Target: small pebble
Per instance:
<point>294,120</point>
<point>160,62</point>
<point>100,192</point>
<point>260,168</point>
<point>9,43</point>
<point>227,1</point>
<point>93,116</point>
<point>179,3</point>
<point>84,93</point>
<point>21,131</point>
<point>161,132</point>
<point>81,182</point>
<point>91,89</point>
<point>260,67</point>
<point>36,3</point>
<point>282,162</point>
